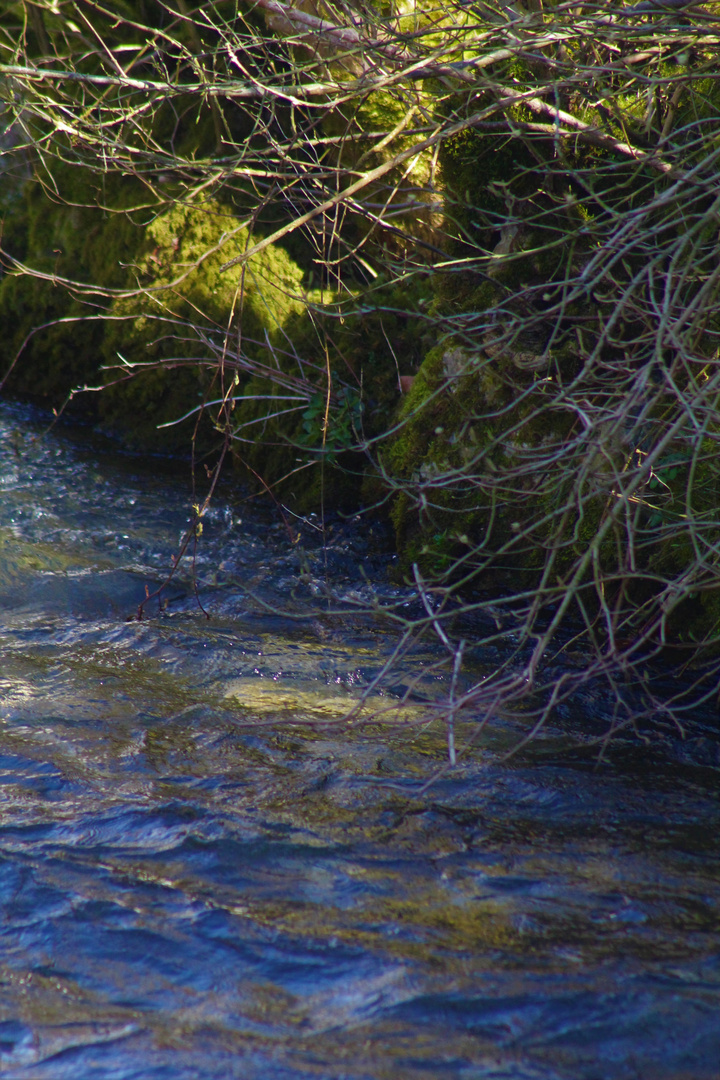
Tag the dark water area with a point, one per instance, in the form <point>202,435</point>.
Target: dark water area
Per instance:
<point>199,879</point>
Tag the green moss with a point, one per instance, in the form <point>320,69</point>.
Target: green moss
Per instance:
<point>72,240</point>
<point>175,323</point>
<point>469,494</point>
<point>191,315</point>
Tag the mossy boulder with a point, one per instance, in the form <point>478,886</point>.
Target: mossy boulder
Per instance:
<point>131,297</point>
<point>501,484</point>
<point>52,329</point>
<point>465,498</point>
<point>189,320</point>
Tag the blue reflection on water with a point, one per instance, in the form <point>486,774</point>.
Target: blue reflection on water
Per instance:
<point>183,897</point>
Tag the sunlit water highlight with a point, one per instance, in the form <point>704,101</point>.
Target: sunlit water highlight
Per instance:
<point>186,896</point>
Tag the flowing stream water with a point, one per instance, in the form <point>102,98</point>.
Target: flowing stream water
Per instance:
<point>199,879</point>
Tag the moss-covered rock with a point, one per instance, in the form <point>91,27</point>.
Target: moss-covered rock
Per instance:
<point>513,453</point>
<point>189,320</point>
<point>466,497</point>
<point>52,332</point>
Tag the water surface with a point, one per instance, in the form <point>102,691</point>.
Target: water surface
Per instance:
<point>199,878</point>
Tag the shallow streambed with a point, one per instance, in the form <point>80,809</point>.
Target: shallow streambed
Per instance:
<point>187,895</point>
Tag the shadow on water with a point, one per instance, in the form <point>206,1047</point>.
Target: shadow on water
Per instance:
<point>200,879</point>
